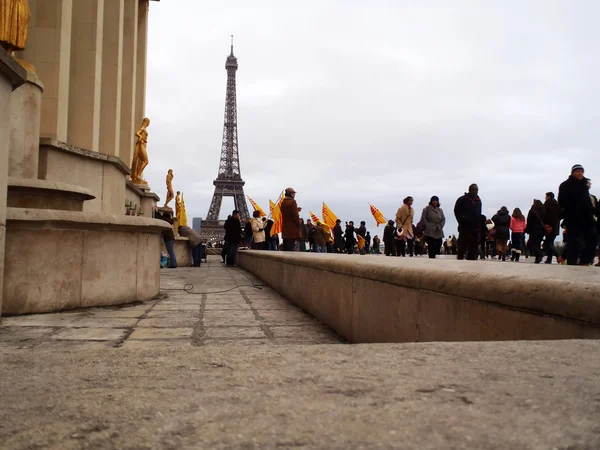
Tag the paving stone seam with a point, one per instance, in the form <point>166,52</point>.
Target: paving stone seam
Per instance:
<point>129,330</point>
<point>198,331</point>
<point>264,327</point>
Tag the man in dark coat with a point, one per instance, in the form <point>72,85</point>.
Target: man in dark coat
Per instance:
<point>350,239</point>
<point>552,221</point>
<point>233,236</point>
<point>291,228</point>
<point>362,232</point>
<point>468,212</point>
<point>578,212</point>
<point>338,237</point>
<point>195,243</point>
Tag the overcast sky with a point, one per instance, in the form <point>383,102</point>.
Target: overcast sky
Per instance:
<point>351,102</point>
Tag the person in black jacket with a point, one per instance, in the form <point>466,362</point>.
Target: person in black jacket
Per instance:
<point>468,212</point>
<point>578,212</point>
<point>338,237</point>
<point>362,232</point>
<point>233,236</point>
<point>552,210</point>
<point>536,220</point>
<point>388,239</point>
<point>350,239</point>
<point>502,226</point>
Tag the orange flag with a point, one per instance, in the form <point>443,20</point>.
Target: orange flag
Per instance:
<point>277,219</point>
<point>315,219</point>
<point>256,207</point>
<point>328,216</point>
<point>379,218</point>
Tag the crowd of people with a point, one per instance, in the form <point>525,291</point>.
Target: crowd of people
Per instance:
<point>505,235</point>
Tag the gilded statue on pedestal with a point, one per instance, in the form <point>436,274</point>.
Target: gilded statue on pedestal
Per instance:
<point>140,156</point>
<point>14,22</point>
<point>177,204</point>
<point>170,194</point>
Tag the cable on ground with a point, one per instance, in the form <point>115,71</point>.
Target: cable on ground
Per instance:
<point>189,287</point>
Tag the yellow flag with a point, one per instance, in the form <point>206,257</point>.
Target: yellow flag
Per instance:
<point>315,219</point>
<point>277,219</point>
<point>256,207</point>
<point>182,214</point>
<point>328,216</point>
<point>379,218</point>
<point>361,242</point>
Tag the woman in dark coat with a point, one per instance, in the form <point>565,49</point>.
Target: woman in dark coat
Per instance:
<point>536,219</point>
<point>338,237</point>
<point>502,226</point>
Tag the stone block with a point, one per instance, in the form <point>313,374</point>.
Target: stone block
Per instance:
<point>156,343</point>
<point>104,322</point>
<point>45,276</point>
<point>90,334</point>
<point>234,332</point>
<point>109,269</point>
<point>147,273</point>
<point>161,333</point>
<point>168,322</point>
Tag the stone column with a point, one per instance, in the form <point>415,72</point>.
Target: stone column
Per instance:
<point>83,128</point>
<point>112,67</point>
<point>12,75</point>
<point>142,51</point>
<point>49,51</point>
<point>128,81</point>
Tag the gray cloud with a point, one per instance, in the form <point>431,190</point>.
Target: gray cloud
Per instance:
<point>351,103</point>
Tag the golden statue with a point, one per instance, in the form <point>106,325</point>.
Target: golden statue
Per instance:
<point>181,214</point>
<point>140,156</point>
<point>14,22</point>
<point>170,194</point>
<point>177,204</point>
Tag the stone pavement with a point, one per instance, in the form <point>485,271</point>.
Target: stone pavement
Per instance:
<point>240,316</point>
<point>488,395</point>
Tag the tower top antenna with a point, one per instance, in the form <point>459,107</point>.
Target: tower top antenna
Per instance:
<point>232,44</point>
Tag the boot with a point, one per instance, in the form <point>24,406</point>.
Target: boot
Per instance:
<point>513,255</point>
<point>518,257</point>
<point>503,257</point>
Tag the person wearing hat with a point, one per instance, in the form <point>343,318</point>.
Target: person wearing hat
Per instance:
<point>502,226</point>
<point>578,213</point>
<point>434,220</point>
<point>291,228</point>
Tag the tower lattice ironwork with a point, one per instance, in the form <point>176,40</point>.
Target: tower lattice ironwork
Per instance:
<point>229,181</point>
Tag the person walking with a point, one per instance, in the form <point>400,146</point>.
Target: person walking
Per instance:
<point>552,226</point>
<point>349,236</point>
<point>258,231</point>
<point>269,241</point>
<point>304,246</point>
<point>367,243</point>
<point>195,242</point>
<point>578,212</point>
<point>376,245</point>
<point>518,223</point>
<point>404,224</point>
<point>434,220</point>
<point>291,227</point>
<point>502,221</point>
<point>338,237</point>
<point>536,229</point>
<point>389,233</point>
<point>467,211</point>
<point>320,239</point>
<point>233,236</point>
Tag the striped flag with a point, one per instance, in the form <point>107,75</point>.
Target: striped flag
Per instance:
<point>379,218</point>
<point>277,219</point>
<point>256,207</point>
<point>315,219</point>
<point>328,216</point>
<point>361,242</point>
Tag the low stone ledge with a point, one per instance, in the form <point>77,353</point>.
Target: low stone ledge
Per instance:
<point>45,194</point>
<point>48,218</point>
<point>428,289</point>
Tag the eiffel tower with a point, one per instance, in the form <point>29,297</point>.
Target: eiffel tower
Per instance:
<point>229,181</point>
